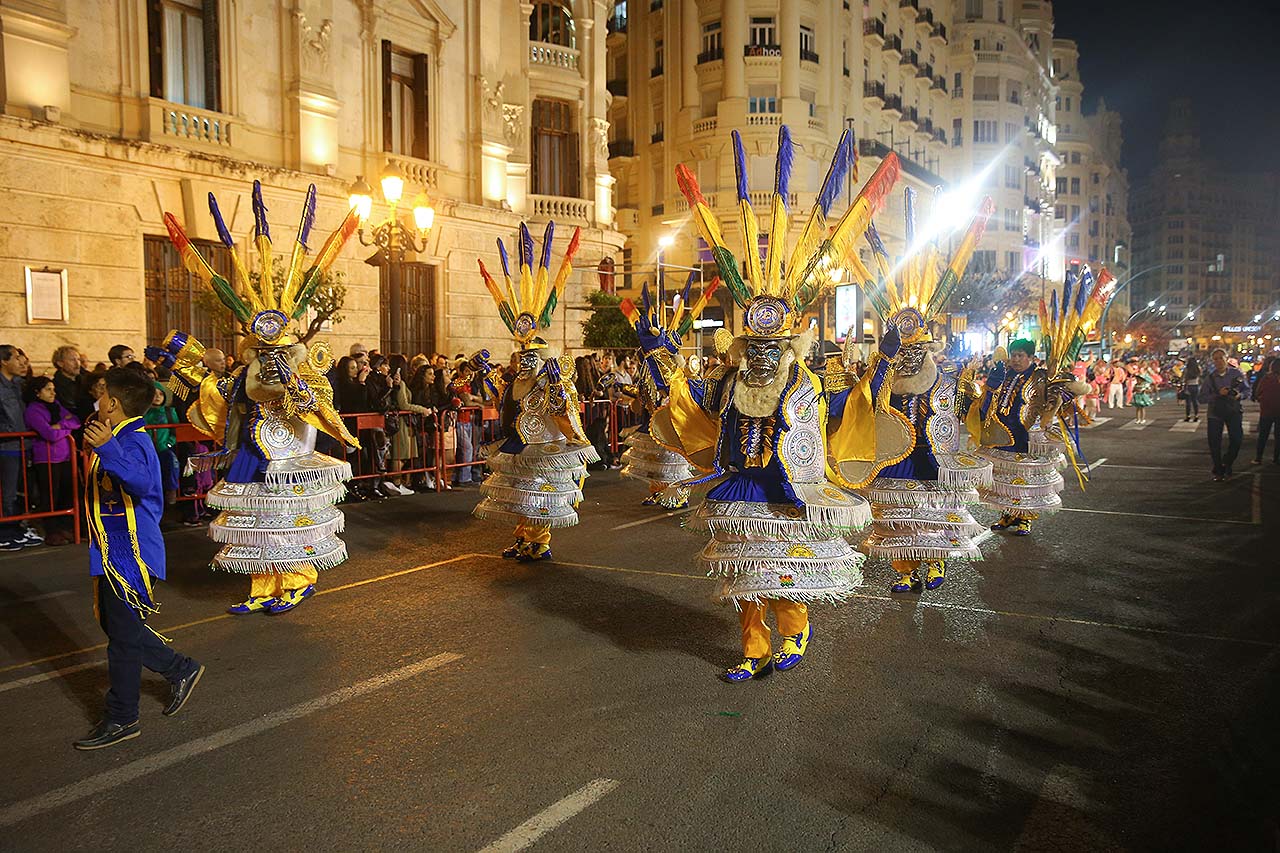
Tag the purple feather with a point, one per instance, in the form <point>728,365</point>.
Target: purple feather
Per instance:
<point>841,162</point>
<point>688,285</point>
<point>1053,309</point>
<point>909,202</point>
<point>782,174</point>
<point>740,166</point>
<point>645,299</point>
<point>502,255</point>
<point>526,246</point>
<point>223,233</point>
<point>308,216</point>
<point>1084,289</point>
<point>1067,290</point>
<point>873,237</point>
<point>546,244</point>
<point>260,228</point>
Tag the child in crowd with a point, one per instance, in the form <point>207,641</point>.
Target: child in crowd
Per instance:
<point>50,473</point>
<point>1143,394</point>
<point>162,412</point>
<point>124,499</point>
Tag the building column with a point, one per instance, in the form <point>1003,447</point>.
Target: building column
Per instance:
<point>734,34</point>
<point>690,43</point>
<point>789,39</point>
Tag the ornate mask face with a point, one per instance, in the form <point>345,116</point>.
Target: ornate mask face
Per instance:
<point>910,359</point>
<point>763,358</point>
<point>265,373</point>
<point>528,364</point>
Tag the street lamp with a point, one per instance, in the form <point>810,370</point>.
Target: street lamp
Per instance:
<point>392,237</point>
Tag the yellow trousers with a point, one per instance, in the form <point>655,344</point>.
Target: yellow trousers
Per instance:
<point>538,534</point>
<point>792,617</point>
<point>276,584</point>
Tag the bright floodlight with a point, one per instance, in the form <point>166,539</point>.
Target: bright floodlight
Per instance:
<point>666,241</point>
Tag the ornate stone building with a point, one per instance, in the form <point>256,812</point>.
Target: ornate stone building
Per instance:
<point>115,112</point>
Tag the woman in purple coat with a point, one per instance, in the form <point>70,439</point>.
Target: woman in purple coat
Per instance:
<point>51,455</point>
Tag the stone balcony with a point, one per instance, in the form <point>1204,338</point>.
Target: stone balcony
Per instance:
<point>553,56</point>
<point>417,173</point>
<point>563,209</point>
<point>179,124</point>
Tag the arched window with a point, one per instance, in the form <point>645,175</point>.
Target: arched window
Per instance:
<point>552,23</point>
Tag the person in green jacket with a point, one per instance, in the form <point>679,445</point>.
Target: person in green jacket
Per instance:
<point>163,412</point>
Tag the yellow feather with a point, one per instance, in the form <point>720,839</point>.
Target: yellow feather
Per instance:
<point>815,230</point>
<point>266,287</point>
<point>772,283</point>
<point>750,242</point>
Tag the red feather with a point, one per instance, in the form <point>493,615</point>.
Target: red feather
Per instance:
<point>688,185</point>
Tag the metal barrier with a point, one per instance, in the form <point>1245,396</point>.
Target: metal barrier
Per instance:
<point>24,491</point>
<point>434,454</point>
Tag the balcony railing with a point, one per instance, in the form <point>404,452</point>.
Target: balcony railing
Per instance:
<point>561,208</point>
<point>939,83</point>
<point>418,172</point>
<point>894,103</point>
<point>622,148</point>
<point>705,125</point>
<point>957,92</point>
<point>873,90</point>
<point>926,126</point>
<point>875,148</point>
<point>808,56</point>
<point>911,115</point>
<point>553,55</point>
<point>763,119</point>
<point>893,43</point>
<point>873,28</point>
<point>909,57</point>
<point>618,21</point>
<point>712,55</point>
<point>940,135</point>
<point>761,199</point>
<point>179,122</point>
<point>617,88</point>
<point>939,31</point>
<point>925,71</point>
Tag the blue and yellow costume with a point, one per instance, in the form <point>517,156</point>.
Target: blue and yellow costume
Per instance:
<point>777,511</point>
<point>540,462</point>
<point>279,522</point>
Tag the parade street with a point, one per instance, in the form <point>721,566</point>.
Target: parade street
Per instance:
<point>1108,683</point>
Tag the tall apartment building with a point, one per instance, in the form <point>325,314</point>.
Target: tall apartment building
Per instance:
<point>683,74</point>
<point>1207,240</point>
<point>114,112</point>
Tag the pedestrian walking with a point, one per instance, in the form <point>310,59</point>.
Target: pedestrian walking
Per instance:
<point>1267,395</point>
<point>1220,390</point>
<point>1191,389</point>
<point>124,497</point>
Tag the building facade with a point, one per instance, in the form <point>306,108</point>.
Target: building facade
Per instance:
<point>116,112</point>
<point>1207,243</point>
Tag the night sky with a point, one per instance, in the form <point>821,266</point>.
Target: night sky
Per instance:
<point>1224,55</point>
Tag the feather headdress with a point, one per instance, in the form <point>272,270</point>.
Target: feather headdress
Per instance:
<point>1067,324</point>
<point>263,317</point>
<point>526,304</point>
<point>773,295</point>
<point>915,290</point>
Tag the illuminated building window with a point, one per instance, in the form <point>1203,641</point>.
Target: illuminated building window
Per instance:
<point>182,38</point>
<point>552,23</point>
<point>404,102</point>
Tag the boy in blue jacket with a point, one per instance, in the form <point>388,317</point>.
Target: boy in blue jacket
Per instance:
<point>124,499</point>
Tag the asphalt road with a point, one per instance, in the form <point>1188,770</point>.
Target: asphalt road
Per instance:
<point>1106,684</point>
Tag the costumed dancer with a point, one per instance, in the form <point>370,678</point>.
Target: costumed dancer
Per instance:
<point>923,482</point>
<point>757,425</point>
<point>1017,419</point>
<point>646,459</point>
<point>279,522</point>
<point>540,462</point>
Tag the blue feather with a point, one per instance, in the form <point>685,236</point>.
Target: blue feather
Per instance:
<point>740,166</point>
<point>688,286</point>
<point>873,237</point>
<point>782,174</point>
<point>308,216</point>
<point>1066,291</point>
<point>1085,288</point>
<point>260,228</point>
<point>646,301</point>
<point>841,162</point>
<point>526,246</point>
<point>546,244</point>
<point>909,201</point>
<point>502,255</point>
<point>223,233</point>
<point>1053,309</point>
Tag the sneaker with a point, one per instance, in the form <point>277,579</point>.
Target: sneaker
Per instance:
<point>388,488</point>
<point>30,538</point>
<point>291,599</point>
<point>107,734</point>
<point>1004,523</point>
<point>1256,462</point>
<point>404,490</point>
<point>10,543</point>
<point>253,604</point>
<point>909,582</point>
<point>935,574</point>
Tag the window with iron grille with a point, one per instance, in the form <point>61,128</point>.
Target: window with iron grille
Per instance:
<point>552,23</point>
<point>171,292</point>
<point>417,309</point>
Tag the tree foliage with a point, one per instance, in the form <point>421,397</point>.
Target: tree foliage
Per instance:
<point>987,297</point>
<point>607,327</point>
<point>325,306</point>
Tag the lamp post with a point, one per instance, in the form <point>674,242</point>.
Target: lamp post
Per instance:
<point>392,237</point>
<point>665,242</point>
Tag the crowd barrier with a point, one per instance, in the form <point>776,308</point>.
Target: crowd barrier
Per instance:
<point>433,450</point>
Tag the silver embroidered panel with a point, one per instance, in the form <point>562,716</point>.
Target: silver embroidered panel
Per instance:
<point>801,448</point>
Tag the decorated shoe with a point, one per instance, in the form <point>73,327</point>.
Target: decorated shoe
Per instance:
<point>1004,523</point>
<point>651,500</point>
<point>533,552</point>
<point>793,648</point>
<point>513,550</point>
<point>749,668</point>
<point>909,582</point>
<point>291,599</point>
<point>935,574</point>
<point>1021,527</point>
<point>254,604</point>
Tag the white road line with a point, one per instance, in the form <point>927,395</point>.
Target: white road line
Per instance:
<point>1185,426</point>
<point>100,782</point>
<point>1257,496</point>
<point>652,519</point>
<point>42,597</point>
<point>1195,471</point>
<point>1153,515</point>
<point>552,816</point>
<point>983,536</point>
<point>1095,464</point>
<point>1096,422</point>
<point>49,676</point>
<point>1133,425</point>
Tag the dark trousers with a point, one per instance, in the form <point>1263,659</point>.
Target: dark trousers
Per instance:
<point>10,468</point>
<point>53,486</point>
<point>130,647</point>
<point>1193,400</point>
<point>1264,431</point>
<point>1234,424</point>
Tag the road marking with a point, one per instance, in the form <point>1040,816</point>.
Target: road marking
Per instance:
<point>1185,426</point>
<point>1257,496</point>
<point>621,570</point>
<point>1093,465</point>
<point>221,616</point>
<point>42,597</point>
<point>1197,472</point>
<point>1133,425</point>
<point>1096,422</point>
<point>652,519</point>
<point>96,784</point>
<point>49,676</point>
<point>983,536</point>
<point>552,816</point>
<point>1153,515</point>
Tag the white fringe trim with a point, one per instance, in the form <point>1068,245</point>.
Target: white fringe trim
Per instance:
<point>278,503</point>
<point>247,566</point>
<point>498,513</point>
<point>308,535</point>
<point>520,497</point>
